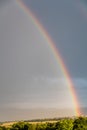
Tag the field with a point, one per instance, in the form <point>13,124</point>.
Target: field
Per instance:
<point>8,124</point>
<point>78,123</point>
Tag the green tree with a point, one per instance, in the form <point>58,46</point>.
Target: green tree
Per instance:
<point>66,124</point>
<point>3,128</point>
<point>80,123</point>
<point>50,126</point>
<point>41,126</point>
<point>21,126</point>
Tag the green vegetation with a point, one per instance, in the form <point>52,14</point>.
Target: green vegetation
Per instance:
<point>79,123</point>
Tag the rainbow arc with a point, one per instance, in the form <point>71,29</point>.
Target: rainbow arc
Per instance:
<point>55,52</point>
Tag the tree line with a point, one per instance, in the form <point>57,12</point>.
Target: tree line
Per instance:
<point>79,123</point>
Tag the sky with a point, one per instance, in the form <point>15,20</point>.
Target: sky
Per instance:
<point>31,79</point>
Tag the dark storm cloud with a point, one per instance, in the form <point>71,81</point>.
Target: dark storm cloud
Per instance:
<point>2,1</point>
<point>67,25</point>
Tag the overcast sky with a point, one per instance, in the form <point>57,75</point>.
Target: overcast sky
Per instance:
<point>30,76</point>
<point>66,22</point>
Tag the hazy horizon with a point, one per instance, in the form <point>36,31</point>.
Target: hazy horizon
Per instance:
<point>38,113</point>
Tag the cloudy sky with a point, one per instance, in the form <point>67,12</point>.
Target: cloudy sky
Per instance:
<point>30,76</point>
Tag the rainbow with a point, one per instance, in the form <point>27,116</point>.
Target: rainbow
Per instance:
<point>55,53</point>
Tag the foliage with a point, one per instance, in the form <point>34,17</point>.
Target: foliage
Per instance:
<point>3,128</point>
<point>63,124</point>
<point>80,123</point>
<point>41,126</point>
<point>21,126</point>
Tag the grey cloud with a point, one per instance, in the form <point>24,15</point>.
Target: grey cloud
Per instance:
<point>28,68</point>
<point>4,2</point>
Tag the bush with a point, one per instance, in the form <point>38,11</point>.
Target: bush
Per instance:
<point>21,126</point>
